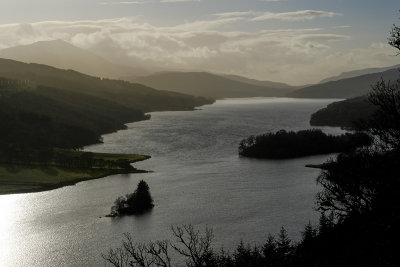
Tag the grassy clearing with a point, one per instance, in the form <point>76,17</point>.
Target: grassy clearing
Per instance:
<point>17,178</point>
<point>132,158</point>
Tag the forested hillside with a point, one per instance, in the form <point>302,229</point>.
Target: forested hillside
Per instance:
<point>43,107</point>
<point>346,113</point>
<point>46,117</point>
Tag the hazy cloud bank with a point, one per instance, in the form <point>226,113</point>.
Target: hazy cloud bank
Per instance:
<point>290,55</point>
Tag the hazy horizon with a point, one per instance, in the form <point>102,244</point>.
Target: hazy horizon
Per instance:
<point>298,42</point>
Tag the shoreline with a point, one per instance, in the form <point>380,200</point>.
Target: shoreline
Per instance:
<point>71,183</point>
<point>23,179</point>
<point>36,187</point>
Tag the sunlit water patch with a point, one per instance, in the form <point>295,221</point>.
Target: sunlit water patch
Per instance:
<point>197,178</point>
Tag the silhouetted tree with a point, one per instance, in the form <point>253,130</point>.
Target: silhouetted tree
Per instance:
<point>270,251</point>
<point>309,233</point>
<point>138,202</point>
<point>361,190</point>
<point>385,122</point>
<point>284,144</point>
<point>284,247</point>
<point>190,243</point>
<point>326,223</point>
<point>394,38</point>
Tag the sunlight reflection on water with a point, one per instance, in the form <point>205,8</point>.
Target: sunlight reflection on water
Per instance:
<point>198,178</point>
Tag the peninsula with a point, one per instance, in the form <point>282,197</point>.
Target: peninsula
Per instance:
<point>62,168</point>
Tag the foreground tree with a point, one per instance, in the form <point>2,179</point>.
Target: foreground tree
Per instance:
<point>385,122</point>
<point>361,189</point>
<point>394,37</point>
<point>367,180</point>
<point>191,244</point>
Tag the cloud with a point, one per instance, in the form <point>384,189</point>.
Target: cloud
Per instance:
<point>296,56</point>
<point>234,14</point>
<point>341,27</point>
<point>296,15</point>
<point>176,1</point>
<point>145,2</point>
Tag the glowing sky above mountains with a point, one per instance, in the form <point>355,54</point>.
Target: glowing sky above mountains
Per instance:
<point>294,41</point>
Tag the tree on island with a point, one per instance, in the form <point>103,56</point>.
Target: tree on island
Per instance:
<point>138,202</point>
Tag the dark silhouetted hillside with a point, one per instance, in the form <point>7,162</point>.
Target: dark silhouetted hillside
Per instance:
<point>44,107</point>
<point>346,113</point>
<point>43,117</point>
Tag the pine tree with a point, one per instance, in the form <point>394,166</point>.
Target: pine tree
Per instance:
<point>141,200</point>
<point>283,243</point>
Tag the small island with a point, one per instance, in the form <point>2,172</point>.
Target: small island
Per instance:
<point>283,144</point>
<point>137,203</point>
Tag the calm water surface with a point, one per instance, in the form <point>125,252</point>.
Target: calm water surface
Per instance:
<point>197,178</point>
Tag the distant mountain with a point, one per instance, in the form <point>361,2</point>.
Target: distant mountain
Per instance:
<point>61,54</point>
<point>259,83</point>
<point>355,73</point>
<point>209,85</point>
<point>345,88</point>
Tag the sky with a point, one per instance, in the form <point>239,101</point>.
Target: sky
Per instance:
<point>292,41</point>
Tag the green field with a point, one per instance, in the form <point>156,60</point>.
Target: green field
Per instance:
<point>18,178</point>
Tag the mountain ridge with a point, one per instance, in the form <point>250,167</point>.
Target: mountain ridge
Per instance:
<point>355,73</point>
<point>208,85</point>
<point>345,88</point>
<point>64,55</point>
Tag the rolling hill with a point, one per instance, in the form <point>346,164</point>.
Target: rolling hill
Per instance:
<point>209,85</point>
<point>355,73</point>
<point>345,88</point>
<point>130,95</point>
<point>42,106</point>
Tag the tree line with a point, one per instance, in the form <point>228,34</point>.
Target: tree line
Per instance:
<point>289,144</point>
